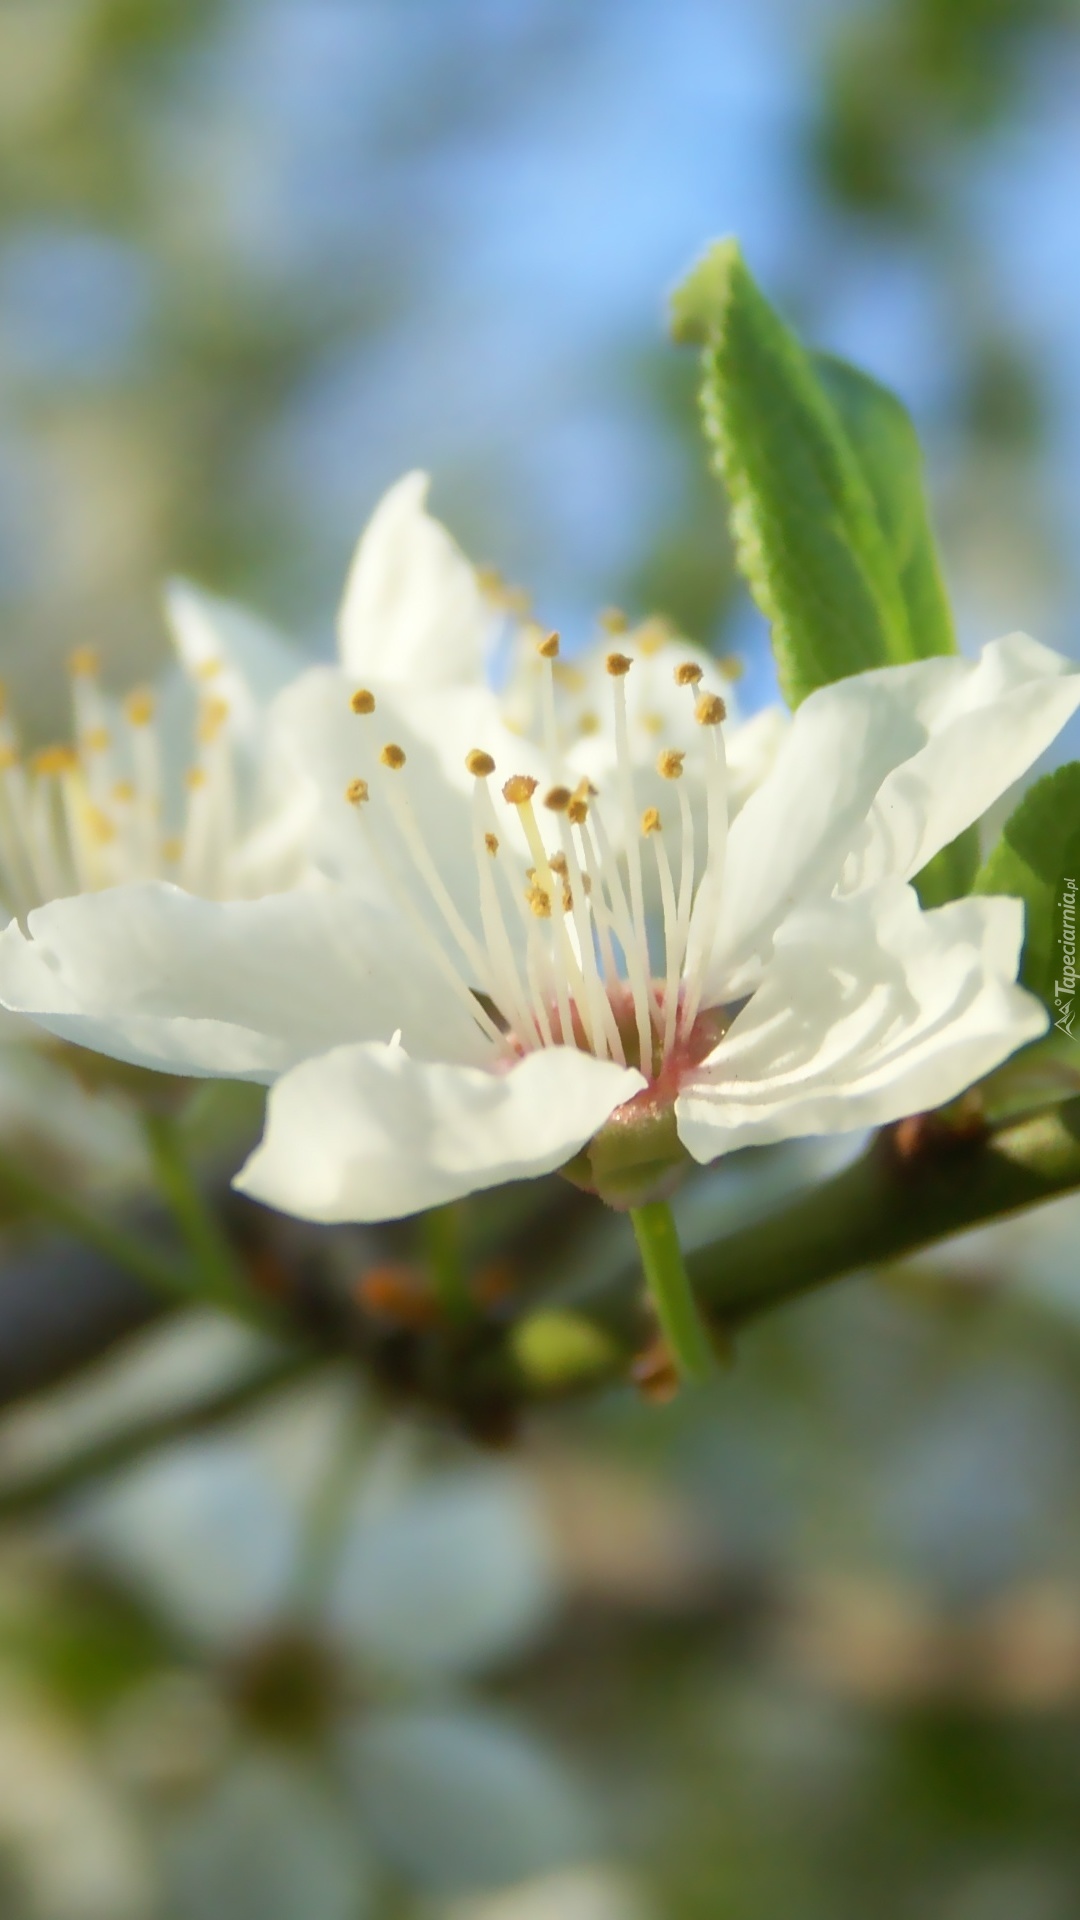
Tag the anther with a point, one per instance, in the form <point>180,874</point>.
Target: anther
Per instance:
<point>558,864</point>
<point>53,760</point>
<point>356,792</point>
<point>650,820</point>
<point>558,799</point>
<point>479,763</point>
<point>710,710</point>
<point>613,620</point>
<point>124,792</point>
<point>670,764</point>
<point>578,811</point>
<point>363,700</point>
<point>617,664</point>
<point>393,756</point>
<point>548,648</point>
<point>97,740</point>
<point>732,666</point>
<point>519,789</point>
<point>491,842</point>
<point>213,717</point>
<point>84,662</point>
<point>139,707</point>
<point>539,902</point>
<point>208,669</point>
<point>589,723</point>
<point>193,778</point>
<point>687,674</point>
<point>653,634</point>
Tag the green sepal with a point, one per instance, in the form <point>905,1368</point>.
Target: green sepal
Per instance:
<point>1037,855</point>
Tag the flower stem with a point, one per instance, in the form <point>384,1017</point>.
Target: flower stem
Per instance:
<point>217,1275</point>
<point>441,1229</point>
<point>669,1286</point>
<point>155,1269</point>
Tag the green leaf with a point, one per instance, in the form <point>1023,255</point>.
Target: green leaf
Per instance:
<point>1036,857</point>
<point>822,471</point>
<point>883,436</point>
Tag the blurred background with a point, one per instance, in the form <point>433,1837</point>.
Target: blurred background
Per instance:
<point>269,1648</point>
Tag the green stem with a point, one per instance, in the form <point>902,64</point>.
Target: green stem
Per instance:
<point>156,1270</point>
<point>441,1229</point>
<point>217,1274</point>
<point>672,1294</point>
<point>29,1492</point>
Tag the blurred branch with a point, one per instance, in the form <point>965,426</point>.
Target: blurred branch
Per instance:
<point>25,1494</point>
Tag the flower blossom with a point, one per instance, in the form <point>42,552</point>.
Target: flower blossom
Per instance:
<point>176,782</point>
<point>483,995</point>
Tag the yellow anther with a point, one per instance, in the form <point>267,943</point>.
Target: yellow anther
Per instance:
<point>670,764</point>
<point>172,849</point>
<point>710,710</point>
<point>650,821</point>
<point>194,777</point>
<point>578,810</point>
<point>613,620</point>
<point>558,864</point>
<point>687,674</point>
<point>97,740</point>
<point>84,662</point>
<point>99,826</point>
<point>731,666</point>
<point>548,647</point>
<point>212,719</point>
<point>652,722</point>
<point>490,581</point>
<point>479,763</point>
<point>54,760</point>
<point>653,635</point>
<point>8,758</point>
<point>139,707</point>
<point>558,799</point>
<point>589,723</point>
<point>519,789</point>
<point>208,669</point>
<point>491,842</point>
<point>363,700</point>
<point>393,756</point>
<point>617,664</point>
<point>356,792</point>
<point>539,902</point>
<point>124,793</point>
<point>497,589</point>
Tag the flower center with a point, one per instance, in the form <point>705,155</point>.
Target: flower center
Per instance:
<point>562,879</point>
<point>75,818</point>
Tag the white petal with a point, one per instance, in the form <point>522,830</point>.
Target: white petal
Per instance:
<point>869,1009</point>
<point>413,610</point>
<point>229,651</point>
<point>460,1800</point>
<point>366,1133</point>
<point>271,1841</point>
<point>453,1577</point>
<point>243,989</point>
<point>876,773</point>
<point>987,723</point>
<point>790,839</point>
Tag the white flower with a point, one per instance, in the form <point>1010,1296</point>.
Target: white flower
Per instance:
<point>482,996</point>
<point>177,782</point>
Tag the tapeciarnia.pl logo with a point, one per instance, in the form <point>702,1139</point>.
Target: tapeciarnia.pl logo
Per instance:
<point>1065,988</point>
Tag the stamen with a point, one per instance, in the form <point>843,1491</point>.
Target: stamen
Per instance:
<point>491,842</point>
<point>613,620</point>
<point>558,799</point>
<point>357,792</point>
<point>687,674</point>
<point>393,756</point>
<point>710,710</point>
<point>139,707</point>
<point>518,791</point>
<point>480,764</point>
<point>509,995</point>
<point>548,648</point>
<point>84,663</point>
<point>363,700</point>
<point>618,666</point>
